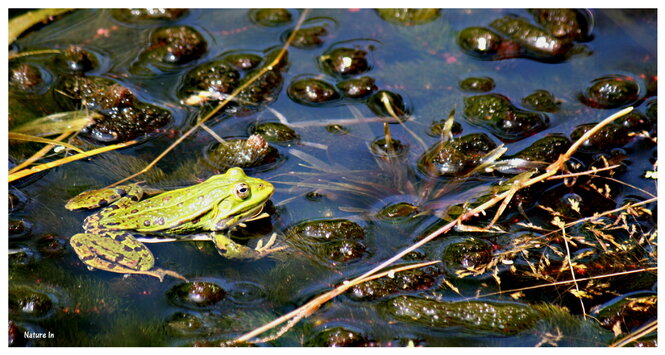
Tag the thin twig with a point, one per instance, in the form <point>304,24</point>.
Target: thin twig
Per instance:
<point>37,52</point>
<point>588,172</point>
<point>313,145</point>
<point>213,134</point>
<point>279,115</point>
<point>572,271</point>
<point>340,121</point>
<point>557,283</point>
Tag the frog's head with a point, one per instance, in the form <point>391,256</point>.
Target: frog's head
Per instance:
<point>246,198</point>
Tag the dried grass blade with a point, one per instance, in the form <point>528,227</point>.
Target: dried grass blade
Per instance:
<point>576,145</point>
<point>26,172</point>
<point>386,103</point>
<point>315,163</point>
<point>22,23</point>
<point>340,121</point>
<point>58,123</point>
<point>447,131</point>
<point>37,52</point>
<point>326,186</point>
<point>28,138</point>
<point>488,159</point>
<point>39,154</point>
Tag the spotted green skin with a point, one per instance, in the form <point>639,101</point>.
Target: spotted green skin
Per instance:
<point>214,205</point>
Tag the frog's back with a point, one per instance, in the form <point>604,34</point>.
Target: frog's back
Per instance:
<point>164,211</point>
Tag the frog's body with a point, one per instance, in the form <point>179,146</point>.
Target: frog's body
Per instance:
<point>216,205</point>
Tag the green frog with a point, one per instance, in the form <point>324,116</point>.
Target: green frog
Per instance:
<point>215,206</point>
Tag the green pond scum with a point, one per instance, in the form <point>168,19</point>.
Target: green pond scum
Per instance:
<point>313,146</point>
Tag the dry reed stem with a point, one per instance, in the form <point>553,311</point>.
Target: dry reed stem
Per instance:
<point>314,304</point>
<point>572,271</point>
<point>639,333</point>
<point>582,173</point>
<point>339,121</point>
<point>28,138</point>
<point>22,23</point>
<point>47,148</point>
<point>213,134</point>
<point>222,104</point>
<point>35,169</point>
<point>38,52</point>
<point>565,282</point>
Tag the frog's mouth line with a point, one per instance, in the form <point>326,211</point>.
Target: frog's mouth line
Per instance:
<point>256,213</point>
<point>251,215</point>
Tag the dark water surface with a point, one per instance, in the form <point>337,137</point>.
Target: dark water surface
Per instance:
<point>329,175</point>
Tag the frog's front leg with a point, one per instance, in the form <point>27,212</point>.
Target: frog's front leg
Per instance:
<point>232,250</point>
<point>117,252</point>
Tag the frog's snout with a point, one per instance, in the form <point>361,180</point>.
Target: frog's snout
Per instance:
<point>265,187</point>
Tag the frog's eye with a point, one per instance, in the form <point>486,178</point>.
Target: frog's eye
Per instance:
<point>241,191</point>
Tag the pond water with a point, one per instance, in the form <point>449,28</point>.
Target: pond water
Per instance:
<point>346,196</point>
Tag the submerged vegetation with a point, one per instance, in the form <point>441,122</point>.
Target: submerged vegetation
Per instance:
<point>442,177</point>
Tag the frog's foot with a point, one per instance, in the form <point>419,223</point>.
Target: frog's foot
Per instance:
<point>117,252</point>
<point>160,273</point>
<point>232,250</point>
<point>265,249</point>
